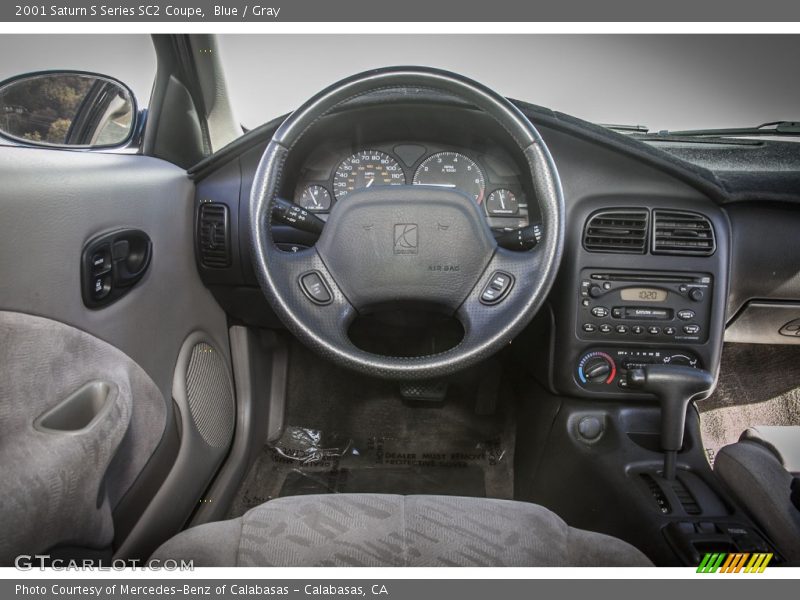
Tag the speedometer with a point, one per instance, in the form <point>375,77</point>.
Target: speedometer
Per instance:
<point>452,170</point>
<point>365,169</point>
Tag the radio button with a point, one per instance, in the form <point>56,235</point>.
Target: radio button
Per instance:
<point>637,329</point>
<point>607,286</point>
<point>696,294</point>
<point>605,328</point>
<point>595,291</point>
<point>653,330</point>
<point>691,329</point>
<point>622,329</point>
<point>618,312</point>
<point>686,315</point>
<point>669,331</point>
<point>600,312</point>
<point>589,328</point>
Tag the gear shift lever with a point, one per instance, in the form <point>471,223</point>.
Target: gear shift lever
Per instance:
<point>674,386</point>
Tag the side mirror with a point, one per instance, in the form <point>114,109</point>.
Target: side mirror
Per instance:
<point>67,109</point>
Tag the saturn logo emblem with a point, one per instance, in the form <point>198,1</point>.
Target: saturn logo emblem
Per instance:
<point>406,238</point>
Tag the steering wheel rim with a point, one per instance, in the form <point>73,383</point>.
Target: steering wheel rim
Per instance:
<point>487,327</point>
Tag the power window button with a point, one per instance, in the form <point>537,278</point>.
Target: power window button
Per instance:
<point>314,286</point>
<point>101,261</point>
<point>101,286</point>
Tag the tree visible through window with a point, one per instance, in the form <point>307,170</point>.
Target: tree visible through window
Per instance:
<point>42,109</point>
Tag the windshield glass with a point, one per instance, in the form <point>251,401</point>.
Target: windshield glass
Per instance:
<point>661,82</point>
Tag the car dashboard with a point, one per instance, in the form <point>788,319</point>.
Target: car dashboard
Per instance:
<point>645,270</point>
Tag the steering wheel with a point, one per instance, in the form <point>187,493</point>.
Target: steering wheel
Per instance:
<point>411,243</point>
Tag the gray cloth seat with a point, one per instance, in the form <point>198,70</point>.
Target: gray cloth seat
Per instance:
<point>758,470</point>
<point>386,530</point>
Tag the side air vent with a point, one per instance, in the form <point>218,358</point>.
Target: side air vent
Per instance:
<point>682,233</point>
<point>213,233</point>
<point>616,231</point>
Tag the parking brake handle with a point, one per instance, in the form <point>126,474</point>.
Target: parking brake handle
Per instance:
<point>674,386</point>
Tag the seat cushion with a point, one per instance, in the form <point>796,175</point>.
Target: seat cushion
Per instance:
<point>782,440</point>
<point>756,477</point>
<point>385,530</point>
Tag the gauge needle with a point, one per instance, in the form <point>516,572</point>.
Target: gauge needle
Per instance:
<point>447,185</point>
<point>502,202</point>
<point>369,183</point>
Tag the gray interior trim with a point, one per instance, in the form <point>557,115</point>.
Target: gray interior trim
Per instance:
<point>766,323</point>
<point>260,361</point>
<point>756,478</point>
<point>782,440</point>
<point>57,200</point>
<point>80,420</point>
<point>195,465</point>
<point>223,127</point>
<point>360,530</point>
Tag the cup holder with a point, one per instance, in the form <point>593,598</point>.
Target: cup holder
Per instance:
<point>78,412</point>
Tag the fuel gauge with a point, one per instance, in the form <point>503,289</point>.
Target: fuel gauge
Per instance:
<point>315,198</point>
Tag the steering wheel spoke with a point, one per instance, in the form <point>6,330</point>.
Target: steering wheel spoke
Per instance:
<point>507,287</point>
<point>311,295</point>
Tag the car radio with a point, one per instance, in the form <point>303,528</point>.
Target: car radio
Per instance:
<point>649,306</point>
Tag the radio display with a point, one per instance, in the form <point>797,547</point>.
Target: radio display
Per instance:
<point>642,294</point>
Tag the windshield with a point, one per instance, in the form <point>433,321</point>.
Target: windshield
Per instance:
<point>676,82</point>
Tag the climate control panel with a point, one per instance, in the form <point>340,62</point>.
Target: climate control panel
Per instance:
<point>605,369</point>
<point>649,307</point>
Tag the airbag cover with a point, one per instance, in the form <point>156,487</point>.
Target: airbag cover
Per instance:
<point>417,243</point>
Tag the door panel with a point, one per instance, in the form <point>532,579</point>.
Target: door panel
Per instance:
<point>67,405</point>
<point>51,203</point>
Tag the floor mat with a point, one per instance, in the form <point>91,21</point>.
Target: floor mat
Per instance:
<point>758,385</point>
<point>352,434</point>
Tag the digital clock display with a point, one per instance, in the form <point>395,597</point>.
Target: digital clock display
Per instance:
<point>641,294</point>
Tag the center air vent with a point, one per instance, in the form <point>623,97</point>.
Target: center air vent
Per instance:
<point>616,231</point>
<point>682,233</point>
<point>213,232</point>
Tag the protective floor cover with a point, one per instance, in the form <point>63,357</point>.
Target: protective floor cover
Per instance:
<point>758,385</point>
<point>350,434</point>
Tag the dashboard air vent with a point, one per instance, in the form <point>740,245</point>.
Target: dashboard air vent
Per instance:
<point>682,233</point>
<point>616,231</point>
<point>213,232</point>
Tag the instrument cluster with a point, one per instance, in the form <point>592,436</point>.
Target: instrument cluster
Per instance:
<point>490,179</point>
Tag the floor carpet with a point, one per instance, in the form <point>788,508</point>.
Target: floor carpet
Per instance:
<point>758,385</point>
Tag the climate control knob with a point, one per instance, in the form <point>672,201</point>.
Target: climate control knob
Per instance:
<point>597,367</point>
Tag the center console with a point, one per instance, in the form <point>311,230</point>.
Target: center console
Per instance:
<point>637,330</point>
<point>643,283</point>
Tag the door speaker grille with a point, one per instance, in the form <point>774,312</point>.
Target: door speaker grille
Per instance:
<point>210,395</point>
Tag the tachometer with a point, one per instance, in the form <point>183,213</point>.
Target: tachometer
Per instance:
<point>452,170</point>
<point>364,169</point>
